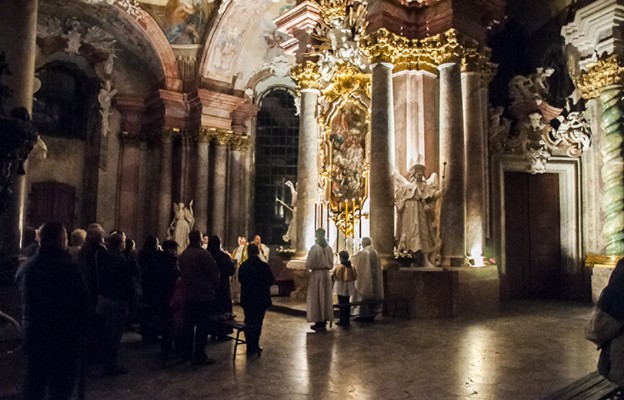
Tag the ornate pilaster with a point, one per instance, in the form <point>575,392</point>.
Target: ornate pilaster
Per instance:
<point>605,78</point>
<point>382,52</point>
<point>236,205</point>
<point>204,137</point>
<point>187,168</point>
<point>165,204</point>
<point>219,206</point>
<point>19,20</point>
<point>596,32</point>
<point>307,78</point>
<point>452,158</point>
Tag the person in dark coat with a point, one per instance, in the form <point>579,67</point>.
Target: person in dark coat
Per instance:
<point>200,277</point>
<point>116,290</point>
<point>159,280</point>
<point>54,316</point>
<point>256,278</point>
<point>223,292</point>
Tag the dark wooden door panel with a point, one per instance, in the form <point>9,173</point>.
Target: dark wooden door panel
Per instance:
<point>532,229</point>
<point>51,201</point>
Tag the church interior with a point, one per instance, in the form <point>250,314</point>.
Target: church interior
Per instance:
<point>479,143</point>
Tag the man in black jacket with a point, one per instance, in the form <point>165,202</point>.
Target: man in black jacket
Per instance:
<point>54,316</point>
<point>256,279</point>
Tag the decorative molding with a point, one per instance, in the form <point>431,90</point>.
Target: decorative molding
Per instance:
<point>222,137</point>
<point>307,75</point>
<point>239,142</point>
<point>604,72</point>
<point>596,31</point>
<point>205,135</point>
<point>131,7</point>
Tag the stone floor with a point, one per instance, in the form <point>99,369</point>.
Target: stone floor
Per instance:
<point>527,350</point>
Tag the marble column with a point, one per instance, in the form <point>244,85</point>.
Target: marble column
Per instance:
<point>452,214</point>
<point>612,171</point>
<point>165,208</point>
<point>128,184</point>
<point>200,204</point>
<point>18,35</point>
<point>184,185</point>
<point>235,210</point>
<point>219,205</point>
<point>382,160</point>
<point>142,196</point>
<point>307,171</point>
<point>474,182</point>
<point>484,99</point>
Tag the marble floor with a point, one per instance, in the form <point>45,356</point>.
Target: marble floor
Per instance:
<point>527,350</point>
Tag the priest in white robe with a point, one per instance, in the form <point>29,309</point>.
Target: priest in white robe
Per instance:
<point>369,284</point>
<point>320,261</point>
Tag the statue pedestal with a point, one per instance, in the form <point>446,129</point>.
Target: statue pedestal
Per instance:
<point>301,276</point>
<point>444,292</point>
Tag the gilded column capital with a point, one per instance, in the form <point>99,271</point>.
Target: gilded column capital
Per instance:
<point>604,72</point>
<point>169,133</point>
<point>384,46</point>
<point>222,137</point>
<point>306,75</point>
<point>205,134</point>
<point>239,142</point>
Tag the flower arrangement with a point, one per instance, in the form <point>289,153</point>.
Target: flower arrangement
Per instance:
<point>285,252</point>
<point>405,257</point>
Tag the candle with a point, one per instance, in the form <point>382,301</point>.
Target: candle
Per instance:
<point>321,215</point>
<point>360,219</point>
<point>327,215</point>
<point>315,219</point>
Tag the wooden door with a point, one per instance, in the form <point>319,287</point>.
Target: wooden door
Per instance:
<point>51,201</point>
<point>532,233</point>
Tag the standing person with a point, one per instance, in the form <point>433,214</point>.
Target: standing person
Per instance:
<point>116,290</point>
<point>54,316</point>
<point>606,327</point>
<point>344,277</point>
<point>158,281</point>
<point>256,279</point>
<point>91,256</point>
<point>369,285</point>
<point>77,240</point>
<point>263,248</point>
<point>200,277</point>
<point>239,256</point>
<point>223,294</point>
<point>319,302</point>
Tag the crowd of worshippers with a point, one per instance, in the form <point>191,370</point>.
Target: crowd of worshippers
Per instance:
<point>78,300</point>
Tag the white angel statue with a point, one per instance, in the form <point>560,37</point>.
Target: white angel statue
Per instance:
<point>291,234</point>
<point>182,224</point>
<point>415,200</point>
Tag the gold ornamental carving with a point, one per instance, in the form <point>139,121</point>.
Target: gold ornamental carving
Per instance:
<point>307,76</point>
<point>347,82</point>
<point>168,134</point>
<point>222,137</point>
<point>333,9</point>
<point>239,142</point>
<point>384,46</point>
<point>205,135</point>
<point>604,72</point>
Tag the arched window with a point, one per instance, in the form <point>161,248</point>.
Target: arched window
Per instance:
<point>59,105</point>
<point>277,143</point>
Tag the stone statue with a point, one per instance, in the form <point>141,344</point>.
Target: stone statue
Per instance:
<point>105,97</point>
<point>415,200</point>
<point>182,224</point>
<point>291,234</point>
